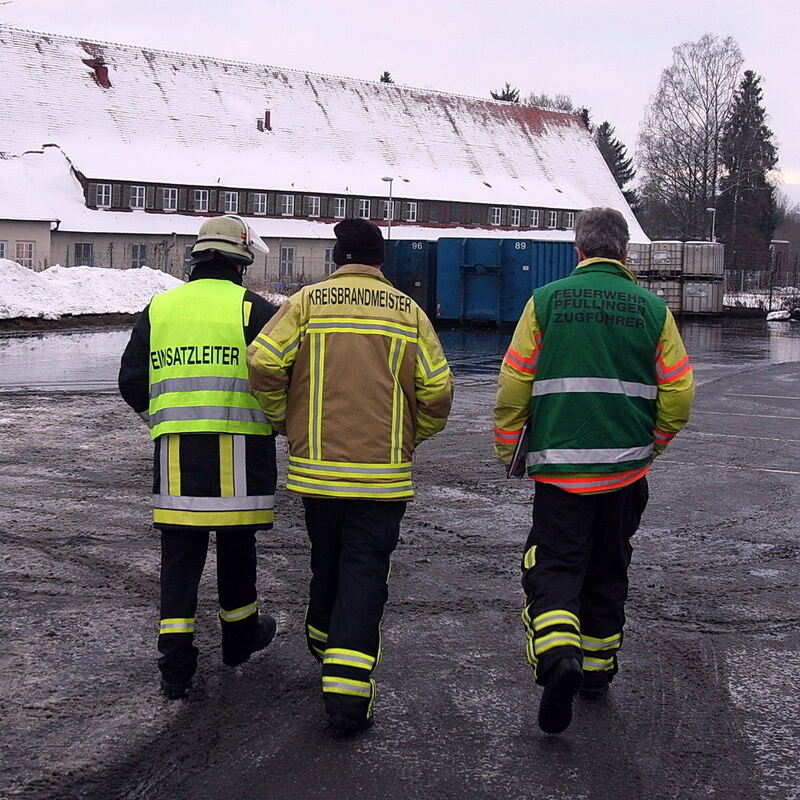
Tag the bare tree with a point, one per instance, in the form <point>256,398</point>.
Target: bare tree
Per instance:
<point>679,155</point>
<point>559,102</point>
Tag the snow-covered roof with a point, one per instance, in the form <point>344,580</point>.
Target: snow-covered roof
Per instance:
<point>20,197</point>
<point>132,113</point>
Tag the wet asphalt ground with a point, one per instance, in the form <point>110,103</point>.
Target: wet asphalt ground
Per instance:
<point>705,705</point>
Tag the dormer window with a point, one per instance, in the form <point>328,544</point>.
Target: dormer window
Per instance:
<point>170,197</point>
<point>231,202</point>
<point>103,197</point>
<point>137,196</point>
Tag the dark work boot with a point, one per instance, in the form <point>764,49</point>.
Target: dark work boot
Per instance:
<point>595,685</point>
<point>175,690</point>
<point>264,635</point>
<point>349,715</point>
<point>555,708</point>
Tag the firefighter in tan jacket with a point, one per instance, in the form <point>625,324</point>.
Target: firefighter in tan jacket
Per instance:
<point>352,372</point>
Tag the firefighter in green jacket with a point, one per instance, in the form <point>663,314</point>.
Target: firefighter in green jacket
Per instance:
<point>184,371</point>
<point>597,365</point>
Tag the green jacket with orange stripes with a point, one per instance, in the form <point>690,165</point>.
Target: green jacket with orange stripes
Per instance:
<point>599,366</point>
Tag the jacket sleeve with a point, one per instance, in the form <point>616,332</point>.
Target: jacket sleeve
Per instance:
<point>257,313</point>
<point>270,357</point>
<point>675,385</point>
<point>134,377</point>
<point>433,382</point>
<point>514,387</point>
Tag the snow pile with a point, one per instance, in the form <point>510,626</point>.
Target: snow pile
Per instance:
<point>782,297</point>
<point>61,291</point>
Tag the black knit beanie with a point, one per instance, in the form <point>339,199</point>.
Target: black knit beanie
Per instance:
<point>358,241</point>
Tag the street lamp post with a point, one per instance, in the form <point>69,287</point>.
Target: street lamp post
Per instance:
<point>713,212</point>
<point>390,213</point>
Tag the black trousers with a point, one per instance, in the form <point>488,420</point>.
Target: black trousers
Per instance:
<point>575,577</point>
<point>351,544</point>
<point>183,557</point>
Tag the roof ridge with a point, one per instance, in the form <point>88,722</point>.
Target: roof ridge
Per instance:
<point>307,72</point>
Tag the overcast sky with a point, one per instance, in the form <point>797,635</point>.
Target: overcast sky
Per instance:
<point>605,55</point>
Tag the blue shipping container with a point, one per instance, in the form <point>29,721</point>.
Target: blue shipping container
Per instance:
<point>490,280</point>
<point>411,267</point>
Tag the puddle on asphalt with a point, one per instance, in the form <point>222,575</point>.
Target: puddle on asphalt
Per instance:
<point>70,360</point>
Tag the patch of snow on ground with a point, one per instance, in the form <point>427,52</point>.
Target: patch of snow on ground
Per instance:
<point>274,298</point>
<point>782,297</point>
<point>60,291</point>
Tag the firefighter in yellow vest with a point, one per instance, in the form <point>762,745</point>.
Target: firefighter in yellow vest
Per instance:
<point>350,369</point>
<point>184,372</point>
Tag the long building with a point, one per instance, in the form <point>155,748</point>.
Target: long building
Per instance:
<point>111,155</point>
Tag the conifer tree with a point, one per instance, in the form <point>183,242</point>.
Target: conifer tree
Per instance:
<point>616,157</point>
<point>508,93</point>
<point>747,205</point>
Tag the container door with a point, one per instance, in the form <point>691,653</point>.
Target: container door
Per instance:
<point>480,293</point>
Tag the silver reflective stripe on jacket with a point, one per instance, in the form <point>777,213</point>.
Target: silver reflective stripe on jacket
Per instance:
<point>200,384</point>
<point>611,455</point>
<point>187,503</point>
<point>401,470</point>
<point>603,385</point>
<point>311,485</point>
<point>184,413</point>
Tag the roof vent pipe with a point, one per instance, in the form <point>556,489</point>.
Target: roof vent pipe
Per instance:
<point>268,120</point>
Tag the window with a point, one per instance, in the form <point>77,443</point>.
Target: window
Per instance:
<point>137,196</point>
<point>231,202</point>
<point>103,197</point>
<point>552,219</point>
<point>139,255</point>
<point>170,197</point>
<point>535,218</point>
<point>386,213</point>
<point>26,254</point>
<point>363,209</point>
<point>570,220</point>
<point>3,249</point>
<point>496,216</point>
<point>516,216</point>
<point>330,267</point>
<point>411,212</point>
<point>287,260</point>
<point>84,254</point>
<point>339,207</point>
<point>287,206</point>
<point>201,199</point>
<point>260,203</point>
<point>313,206</point>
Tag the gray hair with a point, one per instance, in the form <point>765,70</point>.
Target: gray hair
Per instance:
<point>602,233</point>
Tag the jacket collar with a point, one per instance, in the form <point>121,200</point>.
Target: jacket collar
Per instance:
<point>215,270</point>
<point>359,269</point>
<point>608,265</point>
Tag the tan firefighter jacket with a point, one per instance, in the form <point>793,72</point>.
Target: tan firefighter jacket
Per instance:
<point>351,370</point>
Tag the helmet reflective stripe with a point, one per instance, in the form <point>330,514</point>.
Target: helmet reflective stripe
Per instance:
<point>250,238</point>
